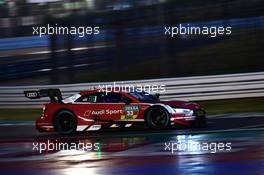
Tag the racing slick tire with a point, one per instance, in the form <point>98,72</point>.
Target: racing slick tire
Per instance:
<point>157,118</point>
<point>65,122</point>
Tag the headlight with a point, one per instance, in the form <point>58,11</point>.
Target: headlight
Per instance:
<point>187,112</point>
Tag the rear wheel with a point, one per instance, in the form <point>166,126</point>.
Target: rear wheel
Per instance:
<point>65,122</point>
<point>157,118</point>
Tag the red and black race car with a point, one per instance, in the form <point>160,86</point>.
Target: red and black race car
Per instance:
<point>98,109</point>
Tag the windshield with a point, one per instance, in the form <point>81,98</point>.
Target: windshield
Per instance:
<point>144,97</point>
<point>71,98</point>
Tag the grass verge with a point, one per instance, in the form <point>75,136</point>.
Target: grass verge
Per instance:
<point>233,105</point>
<point>19,114</point>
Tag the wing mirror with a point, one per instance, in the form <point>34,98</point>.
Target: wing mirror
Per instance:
<point>157,95</point>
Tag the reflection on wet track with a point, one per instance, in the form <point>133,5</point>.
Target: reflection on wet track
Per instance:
<point>144,152</point>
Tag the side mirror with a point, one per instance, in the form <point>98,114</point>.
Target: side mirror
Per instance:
<point>157,95</point>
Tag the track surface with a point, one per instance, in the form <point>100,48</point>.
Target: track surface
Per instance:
<point>139,152</point>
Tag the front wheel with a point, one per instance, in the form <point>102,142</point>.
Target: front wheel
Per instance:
<point>157,118</point>
<point>65,122</point>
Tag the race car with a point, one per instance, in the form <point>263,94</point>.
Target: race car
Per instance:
<point>100,108</point>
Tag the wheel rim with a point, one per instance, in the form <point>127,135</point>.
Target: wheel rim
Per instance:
<point>66,122</point>
<point>158,118</point>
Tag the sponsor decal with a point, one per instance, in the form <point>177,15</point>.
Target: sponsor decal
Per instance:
<point>131,112</point>
<point>128,117</point>
<point>81,127</point>
<point>114,125</point>
<point>32,94</point>
<point>128,125</point>
<point>94,127</point>
<point>132,108</point>
<point>99,112</point>
<point>87,113</point>
<point>102,112</point>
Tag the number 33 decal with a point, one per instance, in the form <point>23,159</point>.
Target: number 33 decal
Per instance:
<point>130,113</point>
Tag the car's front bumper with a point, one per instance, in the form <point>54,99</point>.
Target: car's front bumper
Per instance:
<point>188,120</point>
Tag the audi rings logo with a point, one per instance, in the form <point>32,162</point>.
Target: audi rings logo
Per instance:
<point>32,94</point>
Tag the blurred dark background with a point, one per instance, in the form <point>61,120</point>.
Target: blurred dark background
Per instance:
<point>131,44</point>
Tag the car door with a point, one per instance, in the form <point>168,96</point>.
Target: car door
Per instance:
<point>89,105</point>
<point>118,107</point>
<point>101,106</point>
<point>113,106</point>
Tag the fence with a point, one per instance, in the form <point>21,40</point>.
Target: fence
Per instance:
<point>194,88</point>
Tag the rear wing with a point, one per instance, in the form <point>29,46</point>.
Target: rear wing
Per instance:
<point>53,94</point>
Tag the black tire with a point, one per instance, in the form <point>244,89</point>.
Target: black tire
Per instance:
<point>65,122</point>
<point>157,118</point>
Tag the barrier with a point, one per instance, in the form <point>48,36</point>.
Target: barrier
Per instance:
<point>195,88</point>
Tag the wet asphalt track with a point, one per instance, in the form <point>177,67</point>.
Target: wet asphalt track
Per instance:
<point>139,152</point>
